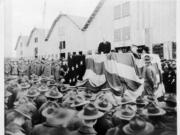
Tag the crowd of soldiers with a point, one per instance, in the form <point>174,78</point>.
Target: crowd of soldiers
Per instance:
<point>41,98</point>
<point>67,71</point>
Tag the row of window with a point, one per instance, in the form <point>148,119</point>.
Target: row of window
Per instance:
<point>122,34</point>
<point>121,10</point>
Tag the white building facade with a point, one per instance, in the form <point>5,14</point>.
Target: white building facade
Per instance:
<point>65,35</point>
<point>127,22</point>
<point>36,43</point>
<point>20,47</point>
<point>121,22</point>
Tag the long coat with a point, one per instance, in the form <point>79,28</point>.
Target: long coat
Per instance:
<point>47,129</point>
<point>150,79</point>
<point>46,70</point>
<point>57,72</point>
<point>14,70</point>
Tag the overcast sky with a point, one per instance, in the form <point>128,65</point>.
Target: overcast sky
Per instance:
<point>27,14</point>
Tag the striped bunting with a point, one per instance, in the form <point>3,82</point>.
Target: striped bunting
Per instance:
<point>115,69</point>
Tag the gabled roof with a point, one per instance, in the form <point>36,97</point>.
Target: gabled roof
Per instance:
<point>76,20</point>
<point>31,34</point>
<point>25,38</point>
<point>94,13</point>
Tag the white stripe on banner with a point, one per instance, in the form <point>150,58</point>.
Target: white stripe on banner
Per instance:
<point>122,70</point>
<point>94,79</point>
<point>97,58</point>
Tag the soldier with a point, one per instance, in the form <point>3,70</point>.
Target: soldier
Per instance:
<point>57,71</point>
<point>21,68</point>
<point>46,69</point>
<point>14,68</point>
<point>7,69</point>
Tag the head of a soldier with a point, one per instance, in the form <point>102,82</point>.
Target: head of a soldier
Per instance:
<point>147,60</point>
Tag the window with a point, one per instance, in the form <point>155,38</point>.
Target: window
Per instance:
<point>117,12</point>
<point>126,33</point>
<point>62,44</point>
<point>35,39</point>
<point>122,10</point>
<point>118,35</point>
<point>125,9</point>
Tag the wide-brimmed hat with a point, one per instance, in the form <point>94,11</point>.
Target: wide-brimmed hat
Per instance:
<point>25,85</point>
<point>170,102</point>
<point>53,93</point>
<point>150,98</point>
<point>32,92</point>
<point>48,111</point>
<point>22,100</point>
<point>103,105</point>
<point>43,88</point>
<point>106,89</point>
<point>48,104</point>
<point>43,80</point>
<point>125,113</point>
<point>60,116</point>
<point>90,112</point>
<point>153,110</point>
<point>51,83</point>
<point>79,101</point>
<point>126,100</point>
<point>138,126</point>
<point>65,88</point>
<point>23,110</point>
<point>35,80</point>
<point>141,101</point>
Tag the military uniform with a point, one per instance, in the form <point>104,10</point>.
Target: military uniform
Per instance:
<point>7,69</point>
<point>14,70</point>
<point>46,69</point>
<point>57,71</point>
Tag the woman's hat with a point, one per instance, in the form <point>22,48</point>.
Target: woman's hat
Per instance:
<point>79,101</point>
<point>125,113</point>
<point>60,116</point>
<point>138,126</point>
<point>53,93</point>
<point>32,92</point>
<point>103,105</point>
<point>153,110</point>
<point>90,112</point>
